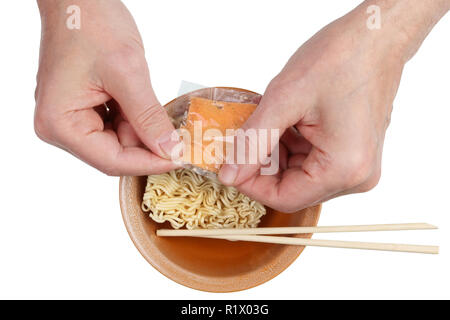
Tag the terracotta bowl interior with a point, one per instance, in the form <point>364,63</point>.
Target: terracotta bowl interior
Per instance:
<point>210,264</point>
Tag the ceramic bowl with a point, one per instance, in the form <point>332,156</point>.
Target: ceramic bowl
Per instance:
<point>210,264</point>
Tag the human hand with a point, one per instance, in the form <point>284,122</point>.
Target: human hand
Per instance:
<point>337,92</point>
<point>80,71</point>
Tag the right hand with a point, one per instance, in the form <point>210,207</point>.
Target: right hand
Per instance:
<point>80,71</point>
<point>337,91</point>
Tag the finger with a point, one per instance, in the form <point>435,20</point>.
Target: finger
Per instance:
<point>296,189</point>
<point>295,142</point>
<point>127,136</point>
<point>82,133</point>
<point>296,160</point>
<point>284,157</point>
<point>129,84</point>
<point>274,116</point>
<point>125,133</point>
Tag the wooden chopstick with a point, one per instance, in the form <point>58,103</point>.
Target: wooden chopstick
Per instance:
<point>261,235</point>
<point>293,230</point>
<point>333,243</point>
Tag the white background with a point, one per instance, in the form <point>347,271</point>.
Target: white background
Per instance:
<point>61,231</point>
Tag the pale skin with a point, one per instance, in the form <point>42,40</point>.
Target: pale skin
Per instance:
<point>80,70</point>
<point>337,91</point>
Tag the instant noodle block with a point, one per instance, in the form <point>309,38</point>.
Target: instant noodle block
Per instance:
<point>212,115</point>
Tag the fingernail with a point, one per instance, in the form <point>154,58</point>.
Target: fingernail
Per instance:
<point>228,174</point>
<point>167,143</point>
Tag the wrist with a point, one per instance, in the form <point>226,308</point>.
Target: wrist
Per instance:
<point>405,23</point>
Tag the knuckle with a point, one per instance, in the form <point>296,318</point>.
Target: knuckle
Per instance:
<point>283,85</point>
<point>36,93</point>
<point>110,169</point>
<point>289,208</point>
<point>357,169</point>
<point>388,119</point>
<point>276,85</point>
<point>111,172</point>
<point>285,204</point>
<point>371,183</point>
<point>279,89</point>
<point>42,126</point>
<point>283,92</point>
<point>126,60</point>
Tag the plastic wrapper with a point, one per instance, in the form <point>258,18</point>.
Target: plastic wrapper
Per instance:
<point>217,108</point>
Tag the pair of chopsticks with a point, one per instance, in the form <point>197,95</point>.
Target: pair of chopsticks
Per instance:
<point>266,235</point>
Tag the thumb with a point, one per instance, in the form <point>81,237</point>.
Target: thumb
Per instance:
<point>133,91</point>
<point>269,121</point>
